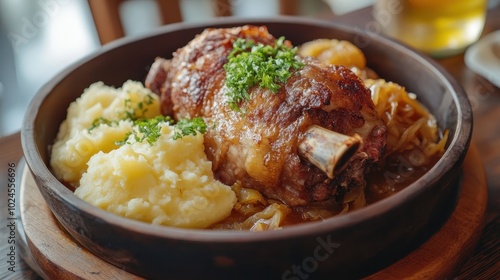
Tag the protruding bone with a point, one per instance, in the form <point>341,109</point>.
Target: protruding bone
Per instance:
<point>328,150</point>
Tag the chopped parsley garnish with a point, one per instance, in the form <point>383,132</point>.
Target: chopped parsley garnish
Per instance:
<point>139,111</point>
<point>186,127</point>
<point>250,64</point>
<point>130,113</point>
<point>97,122</point>
<point>150,129</point>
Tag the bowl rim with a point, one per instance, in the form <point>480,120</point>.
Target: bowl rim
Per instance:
<point>454,153</point>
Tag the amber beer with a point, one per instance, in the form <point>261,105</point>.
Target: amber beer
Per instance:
<point>438,27</point>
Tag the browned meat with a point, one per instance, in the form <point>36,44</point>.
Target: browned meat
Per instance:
<point>260,149</point>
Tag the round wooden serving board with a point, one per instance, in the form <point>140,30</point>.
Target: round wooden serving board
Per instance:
<point>59,256</point>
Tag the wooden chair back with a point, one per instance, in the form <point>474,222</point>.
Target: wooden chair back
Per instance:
<point>106,14</point>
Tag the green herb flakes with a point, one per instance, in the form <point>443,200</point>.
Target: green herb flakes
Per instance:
<point>129,113</point>
<point>150,129</point>
<point>137,112</point>
<point>147,129</point>
<point>97,122</point>
<point>186,127</point>
<point>250,64</point>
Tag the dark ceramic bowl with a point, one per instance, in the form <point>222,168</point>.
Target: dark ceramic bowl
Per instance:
<point>346,246</point>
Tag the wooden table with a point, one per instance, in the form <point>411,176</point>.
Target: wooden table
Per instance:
<point>485,97</point>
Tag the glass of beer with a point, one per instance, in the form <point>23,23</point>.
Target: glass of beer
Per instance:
<point>438,27</point>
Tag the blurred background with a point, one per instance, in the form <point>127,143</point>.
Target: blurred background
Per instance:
<point>39,38</point>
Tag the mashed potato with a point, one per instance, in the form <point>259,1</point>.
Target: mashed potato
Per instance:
<point>76,142</point>
<point>168,182</point>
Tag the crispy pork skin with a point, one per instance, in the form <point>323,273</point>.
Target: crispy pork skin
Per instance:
<point>260,148</point>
